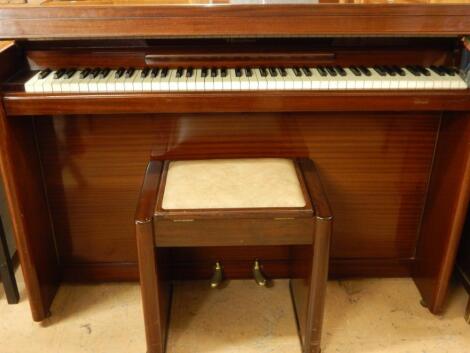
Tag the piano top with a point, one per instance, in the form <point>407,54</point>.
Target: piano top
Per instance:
<point>61,3</point>
<point>67,19</point>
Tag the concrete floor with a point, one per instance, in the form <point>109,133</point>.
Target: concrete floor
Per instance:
<point>362,316</point>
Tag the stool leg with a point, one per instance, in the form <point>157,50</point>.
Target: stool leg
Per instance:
<point>7,274</point>
<point>317,292</point>
<point>155,291</point>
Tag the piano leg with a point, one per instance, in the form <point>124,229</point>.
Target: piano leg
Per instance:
<point>445,211</point>
<point>20,170</point>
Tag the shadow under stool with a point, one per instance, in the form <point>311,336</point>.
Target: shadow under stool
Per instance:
<point>234,202</point>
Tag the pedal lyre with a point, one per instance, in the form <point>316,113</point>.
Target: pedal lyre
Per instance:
<point>218,275</point>
<point>258,275</point>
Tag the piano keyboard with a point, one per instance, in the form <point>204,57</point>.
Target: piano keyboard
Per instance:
<point>96,80</point>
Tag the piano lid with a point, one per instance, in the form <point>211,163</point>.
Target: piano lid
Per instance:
<point>231,2</point>
<point>69,19</point>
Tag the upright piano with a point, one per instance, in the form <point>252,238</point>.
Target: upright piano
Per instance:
<point>376,92</point>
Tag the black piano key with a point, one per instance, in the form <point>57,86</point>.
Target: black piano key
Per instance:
<point>119,72</point>
<point>437,70</point>
<point>223,72</point>
<point>44,73</point>
<point>154,72</point>
<point>272,72</point>
<point>145,72</point>
<point>95,73</point>
<point>307,72</point>
<point>423,70</point>
<point>340,70</point>
<point>164,73</point>
<point>413,70</point>
<point>297,72</point>
<point>331,71</point>
<point>365,70</point>
<point>238,72</point>
<point>189,72</point>
<point>214,72</point>
<point>355,70</point>
<point>263,72</point>
<point>283,72</point>
<point>399,70</point>
<point>104,73</point>
<point>70,72</point>
<point>380,70</point>
<point>390,70</point>
<point>84,73</point>
<point>59,73</point>
<point>452,71</point>
<point>204,72</point>
<point>248,72</point>
<point>447,70</point>
<point>129,72</point>
<point>322,71</point>
<point>179,72</point>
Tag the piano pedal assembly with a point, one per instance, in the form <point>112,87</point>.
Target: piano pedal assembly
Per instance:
<point>217,276</point>
<point>258,275</point>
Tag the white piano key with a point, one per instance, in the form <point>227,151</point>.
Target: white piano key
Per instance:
<point>353,82</point>
<point>199,80</point>
<point>317,81</point>
<point>156,82</point>
<point>119,83</point>
<point>30,85</point>
<point>278,80</point>
<point>209,82</point>
<point>218,81</point>
<point>244,82</point>
<point>182,82</point>
<point>395,82</point>
<point>46,83</point>
<point>165,82</point>
<point>343,81</point>
<point>226,82</point>
<point>103,82</point>
<point>147,83</point>
<point>292,81</point>
<point>129,82</point>
<point>289,80</point>
<point>138,83</point>
<point>191,82</point>
<point>262,81</point>
<point>57,84</point>
<point>236,86</point>
<point>111,82</point>
<point>93,84</point>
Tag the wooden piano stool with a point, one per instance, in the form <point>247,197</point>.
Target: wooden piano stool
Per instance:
<point>234,202</point>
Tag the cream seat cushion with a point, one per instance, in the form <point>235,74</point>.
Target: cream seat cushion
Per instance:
<point>232,183</point>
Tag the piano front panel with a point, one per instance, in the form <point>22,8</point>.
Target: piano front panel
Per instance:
<point>375,167</point>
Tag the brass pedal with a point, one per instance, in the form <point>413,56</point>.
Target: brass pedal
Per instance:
<point>258,275</point>
<point>218,275</point>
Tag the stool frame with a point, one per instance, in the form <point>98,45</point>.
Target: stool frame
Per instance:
<point>158,230</point>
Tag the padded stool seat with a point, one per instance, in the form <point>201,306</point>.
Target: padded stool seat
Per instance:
<point>232,183</point>
<point>227,203</point>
